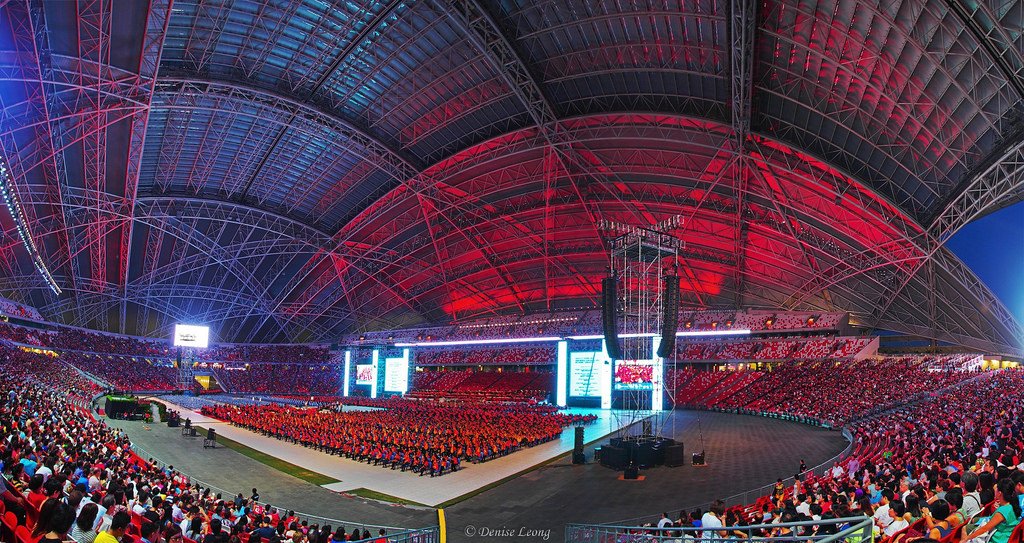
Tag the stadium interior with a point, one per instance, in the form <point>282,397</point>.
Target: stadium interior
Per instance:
<point>418,271</point>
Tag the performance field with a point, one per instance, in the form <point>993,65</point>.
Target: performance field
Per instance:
<point>482,271</point>
<point>743,453</point>
<point>408,485</point>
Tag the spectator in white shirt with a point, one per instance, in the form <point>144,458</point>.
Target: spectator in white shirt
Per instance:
<point>804,505</point>
<point>46,470</point>
<point>972,500</point>
<point>665,521</point>
<point>713,519</point>
<point>897,513</point>
<point>882,518</point>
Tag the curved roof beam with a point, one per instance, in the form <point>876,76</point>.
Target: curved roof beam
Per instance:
<point>179,92</point>
<point>992,187</point>
<point>339,60</point>
<point>992,37</point>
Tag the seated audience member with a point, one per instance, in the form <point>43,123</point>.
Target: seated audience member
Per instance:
<point>713,519</point>
<point>264,530</point>
<point>936,519</point>
<point>972,501</point>
<point>172,534</point>
<point>193,527</point>
<point>898,512</point>
<point>217,534</point>
<point>14,501</point>
<point>1005,518</point>
<point>118,526</point>
<point>84,529</point>
<point>54,523</point>
<point>35,493</point>
<point>150,532</point>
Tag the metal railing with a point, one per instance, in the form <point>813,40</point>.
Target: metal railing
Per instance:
<point>849,530</point>
<point>423,535</point>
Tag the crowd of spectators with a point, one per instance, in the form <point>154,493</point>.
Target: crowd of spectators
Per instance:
<point>73,339</point>
<point>483,385</point>
<point>126,372</point>
<point>830,391</point>
<point>478,356</point>
<point>15,309</point>
<point>948,469</point>
<point>68,477</point>
<point>270,354</point>
<point>630,374</point>
<point>426,437</point>
<point>285,379</point>
<point>48,371</point>
<point>771,349</point>
<point>23,335</point>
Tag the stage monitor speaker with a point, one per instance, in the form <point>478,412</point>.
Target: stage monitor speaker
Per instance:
<point>609,317</point>
<point>578,448</point>
<point>674,456</point>
<point>631,472</point>
<point>645,457</point>
<point>669,317</point>
<point>579,458</point>
<point>613,457</point>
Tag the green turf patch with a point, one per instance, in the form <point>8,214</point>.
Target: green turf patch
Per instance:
<point>280,465</point>
<point>382,497</point>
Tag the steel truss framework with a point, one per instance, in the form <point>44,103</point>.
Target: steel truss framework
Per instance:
<point>296,170</point>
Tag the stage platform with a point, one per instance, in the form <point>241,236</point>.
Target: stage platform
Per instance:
<point>426,490</point>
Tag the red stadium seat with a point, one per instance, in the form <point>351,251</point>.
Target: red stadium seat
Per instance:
<point>23,535</point>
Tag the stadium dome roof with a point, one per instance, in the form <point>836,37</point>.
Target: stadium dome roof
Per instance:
<point>292,170</point>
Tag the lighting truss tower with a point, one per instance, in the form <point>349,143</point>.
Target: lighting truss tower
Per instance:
<point>641,258</point>
<point>186,368</point>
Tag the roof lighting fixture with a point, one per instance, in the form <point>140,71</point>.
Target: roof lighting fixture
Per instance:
<point>10,197</point>
<point>498,341</point>
<point>711,333</point>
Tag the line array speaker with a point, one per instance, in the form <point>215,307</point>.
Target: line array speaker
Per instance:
<point>669,317</point>
<point>609,317</point>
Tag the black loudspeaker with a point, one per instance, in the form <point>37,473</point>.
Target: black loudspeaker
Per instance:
<point>698,459</point>
<point>645,456</point>
<point>609,317</point>
<point>669,317</point>
<point>613,457</point>
<point>578,448</point>
<point>631,472</point>
<point>648,427</point>
<point>674,456</point>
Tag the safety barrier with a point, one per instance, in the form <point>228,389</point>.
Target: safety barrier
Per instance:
<point>850,530</point>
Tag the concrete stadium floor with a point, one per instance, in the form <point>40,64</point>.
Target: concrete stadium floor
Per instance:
<point>743,452</point>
